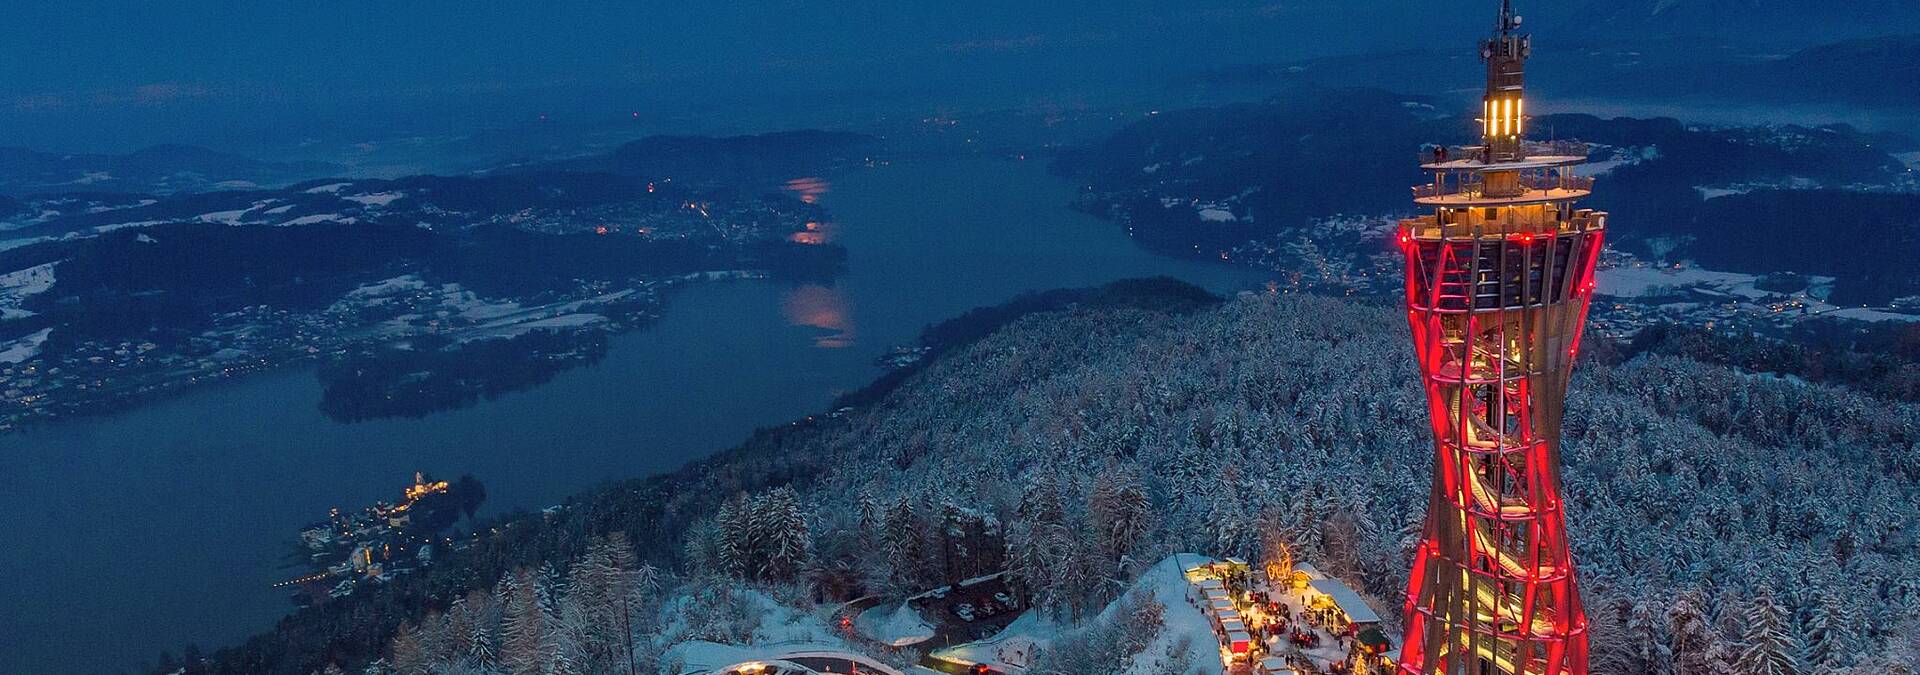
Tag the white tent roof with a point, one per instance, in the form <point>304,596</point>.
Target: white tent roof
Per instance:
<point>1348,601</point>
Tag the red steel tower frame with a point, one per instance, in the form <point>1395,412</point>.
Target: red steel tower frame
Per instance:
<point>1498,281</point>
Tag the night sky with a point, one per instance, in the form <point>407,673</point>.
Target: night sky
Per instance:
<point>118,74</point>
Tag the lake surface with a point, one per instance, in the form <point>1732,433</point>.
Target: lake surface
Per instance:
<point>145,530</point>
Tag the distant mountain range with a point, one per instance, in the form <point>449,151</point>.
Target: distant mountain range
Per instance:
<point>1202,182</point>
<point>1876,72</point>
<point>759,158</point>
<point>159,169</point>
<point>1788,22</point>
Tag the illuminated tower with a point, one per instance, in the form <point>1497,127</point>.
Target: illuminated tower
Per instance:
<point>1498,281</point>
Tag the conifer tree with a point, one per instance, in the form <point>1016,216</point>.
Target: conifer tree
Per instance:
<point>1689,635</point>
<point>1119,511</point>
<point>409,658</point>
<point>735,536</point>
<point>780,527</point>
<point>905,545</point>
<point>1769,649</point>
<point>481,652</point>
<point>522,625</point>
<point>1648,646</point>
<point>1830,636</point>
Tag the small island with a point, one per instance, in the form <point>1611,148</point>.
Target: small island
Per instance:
<point>381,541</point>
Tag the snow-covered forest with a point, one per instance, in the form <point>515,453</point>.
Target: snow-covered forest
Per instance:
<point>1724,522</point>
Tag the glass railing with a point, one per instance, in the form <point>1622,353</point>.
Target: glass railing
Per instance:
<point>1436,154</point>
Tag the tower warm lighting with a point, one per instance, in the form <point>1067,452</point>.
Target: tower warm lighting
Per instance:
<point>1498,282</point>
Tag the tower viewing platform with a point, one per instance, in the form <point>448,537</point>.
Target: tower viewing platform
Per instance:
<point>1464,176</point>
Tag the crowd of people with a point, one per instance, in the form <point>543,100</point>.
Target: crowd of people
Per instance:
<point>1269,628</point>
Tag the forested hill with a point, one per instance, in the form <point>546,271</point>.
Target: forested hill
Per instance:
<point>1218,182</point>
<point>1262,419</point>
<point>735,160</point>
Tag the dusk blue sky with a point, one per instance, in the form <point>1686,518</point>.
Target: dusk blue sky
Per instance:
<point>113,74</point>
<point>116,74</point>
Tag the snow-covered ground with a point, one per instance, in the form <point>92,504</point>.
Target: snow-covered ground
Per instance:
<point>376,199</point>
<point>781,634</point>
<point>467,315</point>
<point>1012,649</point>
<point>512,327</point>
<point>1911,159</point>
<point>1792,183</point>
<point>1634,282</point>
<point>1616,158</point>
<point>1866,314</point>
<point>472,307</point>
<point>1216,215</point>
<point>388,287</point>
<point>316,219</point>
<point>1009,650</point>
<point>24,348</point>
<point>1167,582</point>
<point>17,285</point>
<point>895,625</point>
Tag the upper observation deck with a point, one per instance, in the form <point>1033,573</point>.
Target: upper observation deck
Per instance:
<point>1532,187</point>
<point>1474,158</point>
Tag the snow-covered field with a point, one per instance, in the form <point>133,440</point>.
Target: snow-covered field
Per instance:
<point>1634,282</point>
<point>317,218</point>
<point>388,287</point>
<point>376,199</point>
<point>17,285</point>
<point>1865,314</point>
<point>1616,158</point>
<point>1216,215</point>
<point>471,316</point>
<point>894,624</point>
<point>24,348</point>
<point>512,328</point>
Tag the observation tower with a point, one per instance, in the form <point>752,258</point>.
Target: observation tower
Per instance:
<point>1498,282</point>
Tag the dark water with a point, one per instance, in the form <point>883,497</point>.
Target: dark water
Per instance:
<point>127,534</point>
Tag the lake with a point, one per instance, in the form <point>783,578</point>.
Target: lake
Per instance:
<point>145,530</point>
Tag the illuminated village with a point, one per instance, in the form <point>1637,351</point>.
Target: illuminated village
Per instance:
<point>378,542</point>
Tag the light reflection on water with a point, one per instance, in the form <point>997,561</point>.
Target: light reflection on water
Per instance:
<point>821,308</point>
<point>809,189</point>
<point>817,233</point>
